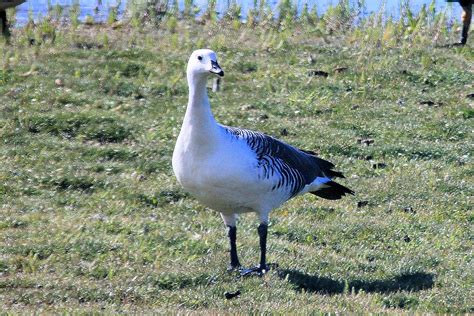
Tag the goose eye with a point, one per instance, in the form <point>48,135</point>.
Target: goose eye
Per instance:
<point>199,57</point>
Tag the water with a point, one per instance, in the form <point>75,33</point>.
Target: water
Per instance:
<point>99,8</point>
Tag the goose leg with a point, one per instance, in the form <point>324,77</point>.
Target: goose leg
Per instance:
<point>262,268</point>
<point>230,220</point>
<point>262,233</point>
<point>234,259</point>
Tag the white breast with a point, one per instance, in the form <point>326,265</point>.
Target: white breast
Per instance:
<point>226,177</point>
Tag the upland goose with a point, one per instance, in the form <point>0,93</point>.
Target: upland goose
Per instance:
<point>233,170</point>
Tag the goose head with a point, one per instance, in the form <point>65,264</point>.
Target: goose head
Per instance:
<point>202,63</point>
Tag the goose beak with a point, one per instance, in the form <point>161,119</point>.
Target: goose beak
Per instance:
<point>216,69</point>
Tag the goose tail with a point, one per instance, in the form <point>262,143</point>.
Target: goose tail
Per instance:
<point>326,188</point>
<point>332,191</point>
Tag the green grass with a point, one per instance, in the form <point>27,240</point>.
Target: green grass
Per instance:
<point>92,218</point>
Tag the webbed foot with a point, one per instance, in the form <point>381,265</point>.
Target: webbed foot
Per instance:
<point>258,270</point>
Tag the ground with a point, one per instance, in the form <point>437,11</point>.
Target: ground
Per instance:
<point>92,218</point>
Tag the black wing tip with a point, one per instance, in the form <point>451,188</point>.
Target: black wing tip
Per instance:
<point>333,191</point>
<point>334,174</point>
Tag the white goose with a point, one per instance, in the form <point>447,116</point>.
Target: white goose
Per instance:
<point>234,170</point>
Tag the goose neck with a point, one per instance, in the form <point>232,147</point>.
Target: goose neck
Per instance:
<point>198,118</point>
<point>197,91</point>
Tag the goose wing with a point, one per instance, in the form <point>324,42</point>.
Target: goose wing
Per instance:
<point>289,167</point>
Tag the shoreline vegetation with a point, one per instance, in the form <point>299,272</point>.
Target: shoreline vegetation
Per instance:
<point>157,12</point>
<point>93,220</point>
<point>344,19</point>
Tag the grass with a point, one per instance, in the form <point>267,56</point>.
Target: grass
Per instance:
<point>92,218</point>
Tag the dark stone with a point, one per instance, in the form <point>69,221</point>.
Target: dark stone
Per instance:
<point>427,102</point>
<point>379,165</point>
<point>409,209</point>
<point>231,295</point>
<point>318,73</point>
<point>362,203</point>
<point>365,141</point>
<point>340,69</point>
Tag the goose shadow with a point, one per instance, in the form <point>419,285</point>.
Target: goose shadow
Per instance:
<point>416,281</point>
